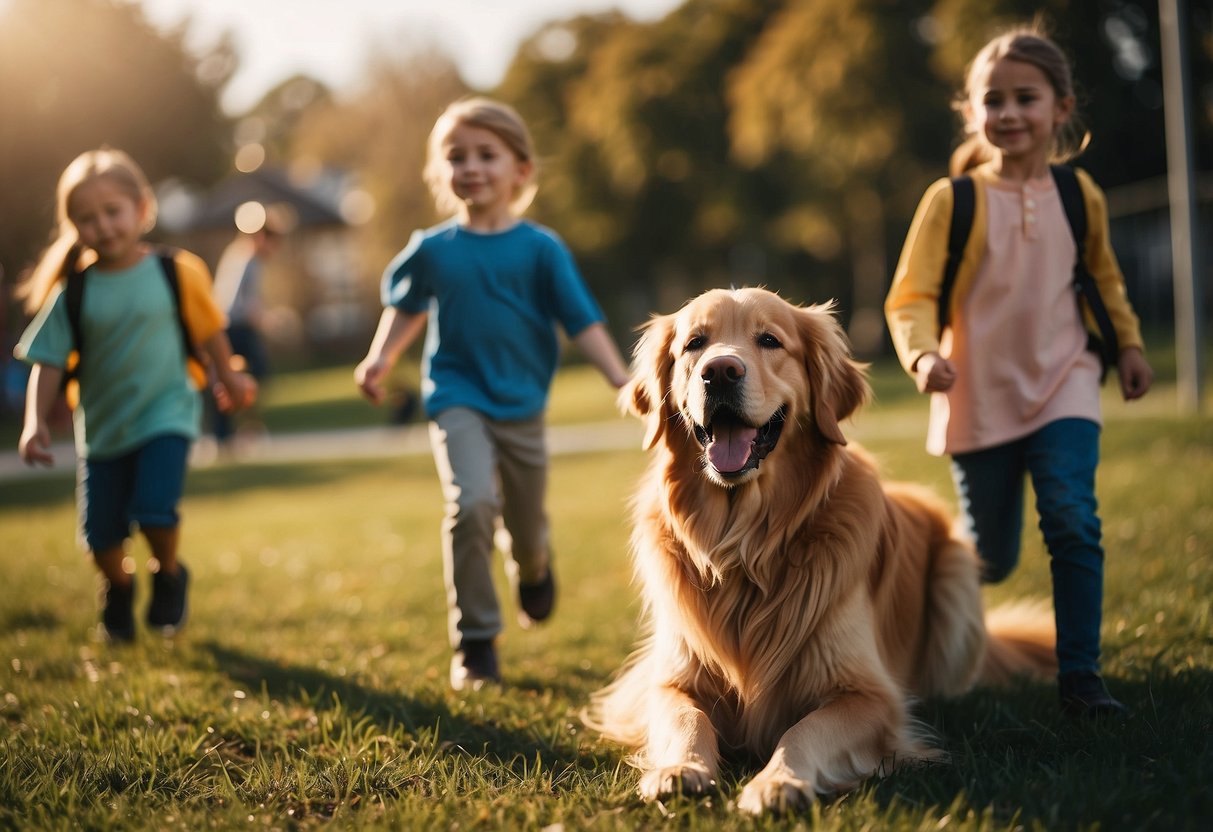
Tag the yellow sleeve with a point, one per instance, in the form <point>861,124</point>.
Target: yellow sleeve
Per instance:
<point>912,305</point>
<point>202,315</point>
<point>1102,263</point>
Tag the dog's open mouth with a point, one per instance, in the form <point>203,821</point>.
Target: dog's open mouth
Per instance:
<point>732,446</point>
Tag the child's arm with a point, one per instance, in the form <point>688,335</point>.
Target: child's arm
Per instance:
<point>40,394</point>
<point>234,390</point>
<point>1136,376</point>
<point>396,331</point>
<point>596,343</point>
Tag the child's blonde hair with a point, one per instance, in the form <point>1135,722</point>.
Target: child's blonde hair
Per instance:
<point>65,250</point>
<point>1029,45</point>
<point>500,119</point>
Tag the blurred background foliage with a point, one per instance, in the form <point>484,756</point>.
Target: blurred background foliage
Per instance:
<point>775,142</point>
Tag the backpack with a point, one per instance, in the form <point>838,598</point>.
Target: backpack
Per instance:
<point>73,295</point>
<point>1105,345</point>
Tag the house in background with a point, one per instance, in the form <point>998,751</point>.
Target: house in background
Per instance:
<point>320,302</point>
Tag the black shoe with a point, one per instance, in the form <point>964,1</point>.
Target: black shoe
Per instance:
<point>117,612</point>
<point>168,609</point>
<point>536,600</point>
<point>1083,694</point>
<point>474,664</point>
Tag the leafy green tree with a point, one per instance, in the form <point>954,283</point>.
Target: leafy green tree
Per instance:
<point>840,98</point>
<point>641,181</point>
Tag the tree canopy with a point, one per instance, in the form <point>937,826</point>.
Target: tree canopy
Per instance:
<point>782,142</point>
<point>78,74</point>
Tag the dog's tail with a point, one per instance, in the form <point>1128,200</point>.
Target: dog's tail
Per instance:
<point>618,710</point>
<point>1021,642</point>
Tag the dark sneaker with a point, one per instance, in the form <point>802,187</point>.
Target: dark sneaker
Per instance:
<point>1083,694</point>
<point>536,600</point>
<point>474,665</point>
<point>117,611</point>
<point>168,609</point>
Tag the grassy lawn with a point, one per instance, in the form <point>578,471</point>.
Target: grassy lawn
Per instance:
<point>310,690</point>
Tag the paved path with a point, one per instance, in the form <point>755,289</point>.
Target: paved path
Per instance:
<point>361,443</point>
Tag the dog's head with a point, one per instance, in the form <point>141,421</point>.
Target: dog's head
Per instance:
<point>742,370</point>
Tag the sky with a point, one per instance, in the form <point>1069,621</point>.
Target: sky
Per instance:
<point>329,40</point>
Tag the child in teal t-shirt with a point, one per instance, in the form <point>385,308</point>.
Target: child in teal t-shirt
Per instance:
<point>138,407</point>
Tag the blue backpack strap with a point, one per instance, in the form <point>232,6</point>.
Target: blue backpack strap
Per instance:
<point>964,200</point>
<point>1106,345</point>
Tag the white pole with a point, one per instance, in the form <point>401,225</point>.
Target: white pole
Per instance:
<point>1189,303</point>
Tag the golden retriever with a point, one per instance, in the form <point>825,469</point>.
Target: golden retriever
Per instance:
<point>795,604</point>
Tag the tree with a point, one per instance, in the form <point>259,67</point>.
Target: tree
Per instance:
<point>633,117</point>
<point>380,135</point>
<point>78,74</point>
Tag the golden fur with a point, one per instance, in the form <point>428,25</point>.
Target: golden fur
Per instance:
<point>795,603</point>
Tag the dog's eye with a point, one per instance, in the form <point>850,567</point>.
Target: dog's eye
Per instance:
<point>768,341</point>
<point>695,343</point>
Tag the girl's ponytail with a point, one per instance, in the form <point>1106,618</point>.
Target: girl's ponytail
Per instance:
<point>60,257</point>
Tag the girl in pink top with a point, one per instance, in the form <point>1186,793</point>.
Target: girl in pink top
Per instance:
<point>1015,390</point>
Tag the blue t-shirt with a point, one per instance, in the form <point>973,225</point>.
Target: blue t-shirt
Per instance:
<point>493,301</point>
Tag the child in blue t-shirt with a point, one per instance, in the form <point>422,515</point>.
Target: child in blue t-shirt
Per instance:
<point>139,406</point>
<point>489,289</point>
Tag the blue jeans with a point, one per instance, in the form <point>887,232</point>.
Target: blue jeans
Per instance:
<point>143,487</point>
<point>1061,459</point>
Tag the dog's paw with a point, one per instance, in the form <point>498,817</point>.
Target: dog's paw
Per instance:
<point>683,778</point>
<point>775,793</point>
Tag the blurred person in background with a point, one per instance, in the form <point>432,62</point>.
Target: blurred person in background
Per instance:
<point>239,279</point>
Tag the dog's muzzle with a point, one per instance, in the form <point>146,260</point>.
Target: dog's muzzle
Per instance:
<point>732,446</point>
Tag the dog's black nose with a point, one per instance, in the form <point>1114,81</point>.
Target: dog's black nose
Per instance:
<point>722,373</point>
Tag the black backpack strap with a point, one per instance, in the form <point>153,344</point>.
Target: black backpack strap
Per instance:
<point>168,265</point>
<point>1106,346</point>
<point>964,201</point>
<point>73,297</point>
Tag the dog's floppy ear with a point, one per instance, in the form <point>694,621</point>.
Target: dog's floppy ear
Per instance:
<point>838,383</point>
<point>647,394</point>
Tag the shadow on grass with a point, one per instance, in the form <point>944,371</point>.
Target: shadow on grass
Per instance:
<point>252,476</point>
<point>418,715</point>
<point>1014,756</point>
<point>48,490</point>
<point>60,487</point>
<point>31,619</point>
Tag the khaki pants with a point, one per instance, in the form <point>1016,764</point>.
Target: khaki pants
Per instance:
<point>494,480</point>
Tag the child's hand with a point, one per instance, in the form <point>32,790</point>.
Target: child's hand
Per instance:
<point>933,373</point>
<point>1136,375</point>
<point>369,376</point>
<point>235,391</point>
<point>35,444</point>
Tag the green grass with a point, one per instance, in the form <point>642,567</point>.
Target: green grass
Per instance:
<point>309,689</point>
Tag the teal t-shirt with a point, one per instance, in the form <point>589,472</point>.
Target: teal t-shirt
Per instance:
<point>133,379</point>
<point>494,304</point>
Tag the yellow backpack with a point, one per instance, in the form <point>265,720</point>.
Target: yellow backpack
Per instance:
<point>74,298</point>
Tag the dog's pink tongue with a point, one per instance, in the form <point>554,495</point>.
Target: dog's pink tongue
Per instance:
<point>730,447</point>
